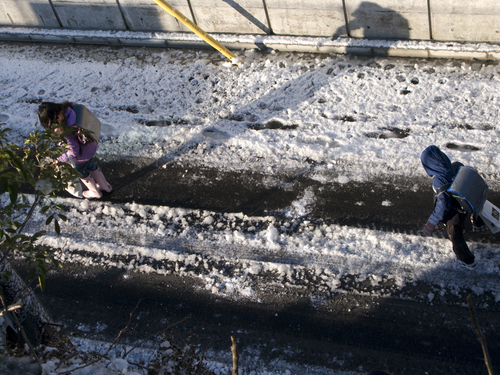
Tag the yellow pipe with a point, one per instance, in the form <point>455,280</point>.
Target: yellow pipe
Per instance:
<point>194,28</point>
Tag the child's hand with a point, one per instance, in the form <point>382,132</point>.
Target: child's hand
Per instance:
<point>428,229</point>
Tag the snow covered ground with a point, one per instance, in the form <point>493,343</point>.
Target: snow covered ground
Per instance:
<point>336,119</point>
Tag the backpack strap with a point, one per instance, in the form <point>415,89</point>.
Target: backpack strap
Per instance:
<point>88,122</point>
<point>442,189</point>
<point>83,135</point>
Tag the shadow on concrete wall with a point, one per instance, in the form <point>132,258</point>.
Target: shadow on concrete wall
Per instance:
<point>110,17</point>
<point>248,16</point>
<point>371,21</point>
<point>89,16</point>
<point>368,21</point>
<point>27,14</point>
<point>116,17</point>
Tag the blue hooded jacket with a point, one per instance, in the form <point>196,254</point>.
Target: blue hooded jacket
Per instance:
<point>438,166</point>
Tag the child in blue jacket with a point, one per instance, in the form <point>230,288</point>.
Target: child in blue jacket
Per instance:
<point>446,208</point>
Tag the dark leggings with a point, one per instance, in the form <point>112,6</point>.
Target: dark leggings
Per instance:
<point>455,228</point>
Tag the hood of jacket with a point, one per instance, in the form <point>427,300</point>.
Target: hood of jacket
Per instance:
<point>437,165</point>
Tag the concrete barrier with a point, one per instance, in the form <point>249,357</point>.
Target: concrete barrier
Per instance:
<point>146,15</point>
<point>89,14</point>
<point>309,18</point>
<point>231,16</point>
<point>33,13</point>
<point>388,19</point>
<point>416,20</point>
<point>458,20</point>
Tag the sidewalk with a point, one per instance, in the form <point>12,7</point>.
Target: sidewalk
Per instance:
<point>364,47</point>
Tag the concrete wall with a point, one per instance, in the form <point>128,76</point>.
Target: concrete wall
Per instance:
<point>306,17</point>
<point>231,16</point>
<point>388,19</point>
<point>440,20</point>
<point>472,21</point>
<point>32,13</point>
<point>146,15</point>
<point>89,14</point>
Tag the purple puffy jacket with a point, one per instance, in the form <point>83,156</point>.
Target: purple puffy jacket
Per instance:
<point>77,151</point>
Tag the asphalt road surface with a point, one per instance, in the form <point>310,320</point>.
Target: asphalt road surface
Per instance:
<point>352,330</point>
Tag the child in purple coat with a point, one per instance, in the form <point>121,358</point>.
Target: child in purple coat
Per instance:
<point>80,149</point>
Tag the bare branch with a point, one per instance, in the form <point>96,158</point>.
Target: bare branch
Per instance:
<point>17,305</point>
<point>99,357</point>
<point>23,333</point>
<point>30,213</point>
<point>158,334</point>
<point>124,329</point>
<point>234,351</point>
<point>482,338</point>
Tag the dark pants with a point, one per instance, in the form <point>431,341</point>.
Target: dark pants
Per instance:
<point>455,227</point>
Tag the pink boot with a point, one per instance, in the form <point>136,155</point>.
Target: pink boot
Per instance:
<point>93,192</point>
<point>100,180</point>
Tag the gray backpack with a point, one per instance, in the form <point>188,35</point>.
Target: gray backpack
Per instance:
<point>469,189</point>
<point>87,121</point>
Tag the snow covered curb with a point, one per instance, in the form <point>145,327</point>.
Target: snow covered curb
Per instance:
<point>410,48</point>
